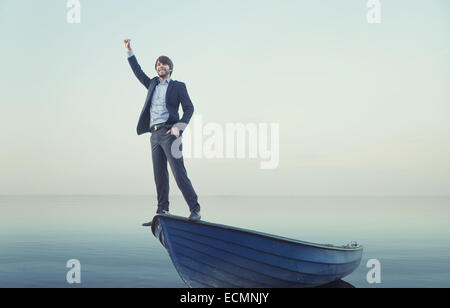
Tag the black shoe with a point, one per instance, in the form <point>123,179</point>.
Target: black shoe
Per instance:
<point>162,212</point>
<point>195,215</point>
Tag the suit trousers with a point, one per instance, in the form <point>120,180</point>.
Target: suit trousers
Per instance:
<point>161,144</point>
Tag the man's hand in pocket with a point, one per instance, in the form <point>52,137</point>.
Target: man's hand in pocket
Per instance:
<point>175,131</point>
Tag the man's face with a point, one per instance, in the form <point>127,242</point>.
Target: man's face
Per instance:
<point>163,70</point>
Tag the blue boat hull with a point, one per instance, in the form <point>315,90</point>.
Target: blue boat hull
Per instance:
<point>212,255</point>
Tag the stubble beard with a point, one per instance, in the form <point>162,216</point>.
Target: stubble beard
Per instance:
<point>164,75</point>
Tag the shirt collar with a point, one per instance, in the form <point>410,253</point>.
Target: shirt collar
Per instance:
<point>167,81</point>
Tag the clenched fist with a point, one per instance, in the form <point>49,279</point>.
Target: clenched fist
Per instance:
<point>127,44</point>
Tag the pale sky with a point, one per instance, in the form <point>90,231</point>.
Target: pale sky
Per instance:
<point>362,108</point>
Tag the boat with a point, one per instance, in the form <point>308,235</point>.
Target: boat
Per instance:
<point>209,255</point>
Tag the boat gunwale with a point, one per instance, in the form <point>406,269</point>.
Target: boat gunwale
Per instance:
<point>260,234</point>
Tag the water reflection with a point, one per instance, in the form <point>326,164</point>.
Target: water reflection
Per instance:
<point>338,284</point>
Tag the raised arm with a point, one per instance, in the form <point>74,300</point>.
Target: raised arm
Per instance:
<point>141,76</point>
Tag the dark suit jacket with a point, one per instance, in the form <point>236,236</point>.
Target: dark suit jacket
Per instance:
<point>176,94</point>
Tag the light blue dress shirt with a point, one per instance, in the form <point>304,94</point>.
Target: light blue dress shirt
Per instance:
<point>158,109</point>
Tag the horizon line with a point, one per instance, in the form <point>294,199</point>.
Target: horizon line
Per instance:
<point>220,195</point>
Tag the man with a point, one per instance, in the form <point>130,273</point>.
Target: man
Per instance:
<point>160,117</point>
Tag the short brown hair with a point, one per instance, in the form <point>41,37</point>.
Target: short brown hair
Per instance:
<point>166,61</point>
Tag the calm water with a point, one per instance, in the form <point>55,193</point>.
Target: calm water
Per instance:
<point>410,236</point>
